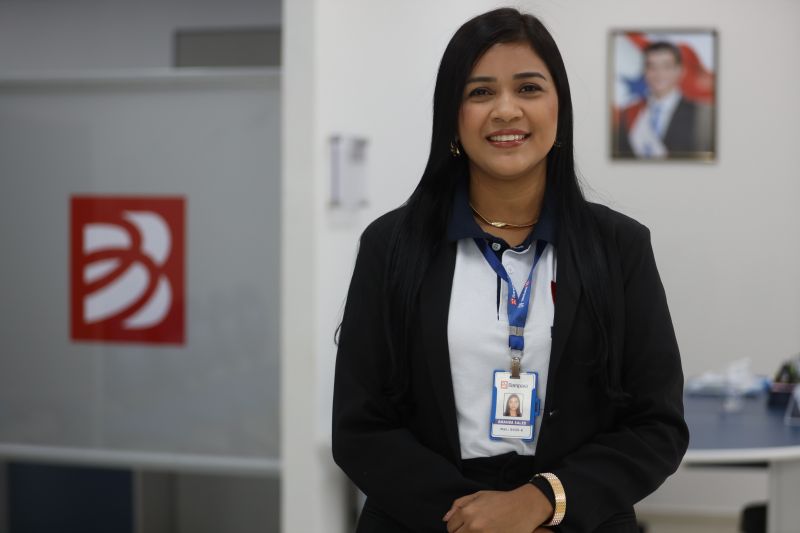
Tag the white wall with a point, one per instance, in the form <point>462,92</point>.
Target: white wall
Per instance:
<point>313,490</point>
<point>51,35</point>
<point>724,233</point>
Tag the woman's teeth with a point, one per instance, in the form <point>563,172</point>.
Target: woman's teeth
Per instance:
<point>505,138</point>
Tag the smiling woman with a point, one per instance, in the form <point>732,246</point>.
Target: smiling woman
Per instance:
<point>511,87</point>
<point>506,358</point>
<point>507,125</point>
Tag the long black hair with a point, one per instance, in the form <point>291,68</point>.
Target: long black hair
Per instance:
<point>420,232</point>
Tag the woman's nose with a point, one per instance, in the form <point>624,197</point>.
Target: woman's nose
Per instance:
<point>506,108</point>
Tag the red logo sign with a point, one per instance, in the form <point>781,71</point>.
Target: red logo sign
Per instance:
<point>127,269</point>
<point>503,384</point>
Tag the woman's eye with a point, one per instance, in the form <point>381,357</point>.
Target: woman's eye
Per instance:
<point>480,91</point>
<point>530,88</point>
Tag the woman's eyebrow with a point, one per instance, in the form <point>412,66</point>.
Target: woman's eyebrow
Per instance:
<point>490,79</point>
<point>529,75</point>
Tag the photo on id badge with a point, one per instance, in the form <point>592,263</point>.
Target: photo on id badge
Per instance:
<point>514,406</point>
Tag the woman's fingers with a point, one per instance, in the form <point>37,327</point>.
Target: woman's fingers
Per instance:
<point>457,504</point>
<point>498,511</point>
<point>464,500</point>
<point>454,525</point>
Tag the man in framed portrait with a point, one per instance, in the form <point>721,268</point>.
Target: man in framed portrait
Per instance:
<point>665,123</point>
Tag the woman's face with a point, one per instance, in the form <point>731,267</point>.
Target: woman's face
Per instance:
<point>513,404</point>
<point>509,114</point>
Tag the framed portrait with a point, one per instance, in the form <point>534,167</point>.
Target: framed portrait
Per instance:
<point>663,90</point>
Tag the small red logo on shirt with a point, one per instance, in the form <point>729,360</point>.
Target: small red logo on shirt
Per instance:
<point>127,269</point>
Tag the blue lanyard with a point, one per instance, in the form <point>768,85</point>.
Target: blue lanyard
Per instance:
<point>517,302</point>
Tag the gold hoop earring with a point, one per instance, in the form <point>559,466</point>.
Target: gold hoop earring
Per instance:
<point>454,150</point>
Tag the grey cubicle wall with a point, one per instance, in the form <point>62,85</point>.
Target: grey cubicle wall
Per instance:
<point>210,138</point>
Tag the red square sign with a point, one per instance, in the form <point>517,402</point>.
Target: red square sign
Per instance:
<point>127,269</point>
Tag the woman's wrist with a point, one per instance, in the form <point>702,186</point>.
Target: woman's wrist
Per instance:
<point>541,508</point>
<point>543,485</point>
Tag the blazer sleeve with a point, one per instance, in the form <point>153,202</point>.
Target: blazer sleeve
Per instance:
<point>621,466</point>
<point>400,476</point>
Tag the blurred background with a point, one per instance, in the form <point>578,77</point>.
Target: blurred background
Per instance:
<point>183,187</point>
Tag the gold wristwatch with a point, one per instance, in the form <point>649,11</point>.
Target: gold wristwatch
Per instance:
<point>561,498</point>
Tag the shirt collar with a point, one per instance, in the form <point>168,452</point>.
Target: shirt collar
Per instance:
<point>669,101</point>
<point>462,224</point>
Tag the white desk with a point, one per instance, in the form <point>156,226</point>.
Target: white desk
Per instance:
<point>755,435</point>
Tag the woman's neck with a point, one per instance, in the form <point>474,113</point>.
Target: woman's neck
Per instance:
<point>515,202</point>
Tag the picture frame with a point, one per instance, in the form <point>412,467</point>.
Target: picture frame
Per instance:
<point>663,94</point>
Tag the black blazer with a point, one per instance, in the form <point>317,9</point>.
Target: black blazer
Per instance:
<point>406,456</point>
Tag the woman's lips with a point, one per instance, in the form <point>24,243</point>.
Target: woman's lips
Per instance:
<point>507,140</point>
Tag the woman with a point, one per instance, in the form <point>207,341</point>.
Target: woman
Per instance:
<point>498,276</point>
<point>512,406</point>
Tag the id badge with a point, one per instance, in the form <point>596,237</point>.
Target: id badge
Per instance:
<point>515,406</point>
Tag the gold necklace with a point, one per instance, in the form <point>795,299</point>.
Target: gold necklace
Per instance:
<point>501,225</point>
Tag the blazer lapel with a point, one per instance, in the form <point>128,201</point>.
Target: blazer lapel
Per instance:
<point>434,302</point>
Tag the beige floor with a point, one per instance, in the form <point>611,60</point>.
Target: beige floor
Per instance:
<point>688,524</point>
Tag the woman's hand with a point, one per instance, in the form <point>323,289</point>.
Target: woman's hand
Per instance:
<point>521,510</point>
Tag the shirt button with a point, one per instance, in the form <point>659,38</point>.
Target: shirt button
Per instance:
<point>496,246</point>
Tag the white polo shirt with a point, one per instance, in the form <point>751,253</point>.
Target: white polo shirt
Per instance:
<point>477,329</point>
